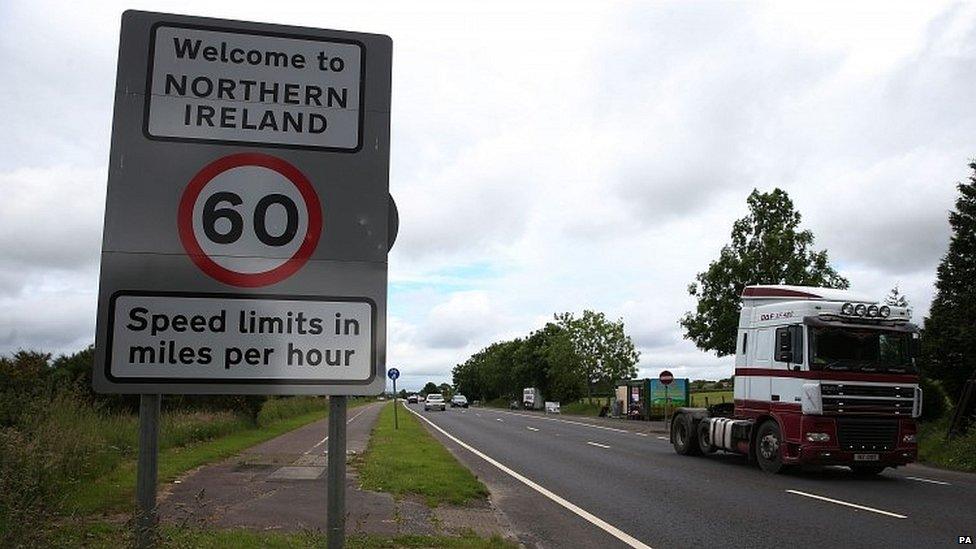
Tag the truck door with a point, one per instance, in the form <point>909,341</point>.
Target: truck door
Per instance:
<point>762,352</point>
<point>788,357</point>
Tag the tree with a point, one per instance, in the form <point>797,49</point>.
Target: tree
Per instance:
<point>605,352</point>
<point>767,248</point>
<point>895,298</point>
<point>429,388</point>
<point>949,339</point>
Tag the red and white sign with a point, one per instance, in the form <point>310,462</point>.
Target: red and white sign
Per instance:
<point>666,377</point>
<point>249,219</point>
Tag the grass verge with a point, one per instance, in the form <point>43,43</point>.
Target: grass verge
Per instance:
<point>409,460</point>
<point>958,454</point>
<point>106,535</point>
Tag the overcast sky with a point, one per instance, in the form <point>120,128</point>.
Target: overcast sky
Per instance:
<point>545,159</point>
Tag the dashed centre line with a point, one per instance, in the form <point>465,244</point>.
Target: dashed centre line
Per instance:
<point>597,444</point>
<point>930,481</point>
<point>847,504</point>
<point>532,428</point>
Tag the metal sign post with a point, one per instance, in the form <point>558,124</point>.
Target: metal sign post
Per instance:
<point>146,470</point>
<point>335,505</point>
<point>393,374</point>
<point>248,222</point>
<point>666,378</point>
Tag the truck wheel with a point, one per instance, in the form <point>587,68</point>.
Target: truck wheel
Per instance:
<point>768,449</point>
<point>683,436</point>
<point>703,441</point>
<point>866,470</point>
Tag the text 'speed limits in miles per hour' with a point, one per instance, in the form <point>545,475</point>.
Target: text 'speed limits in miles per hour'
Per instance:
<point>196,337</point>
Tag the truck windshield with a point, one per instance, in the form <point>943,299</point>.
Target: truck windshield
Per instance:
<point>850,349</point>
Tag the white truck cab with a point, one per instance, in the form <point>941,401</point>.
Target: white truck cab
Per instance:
<point>821,376</point>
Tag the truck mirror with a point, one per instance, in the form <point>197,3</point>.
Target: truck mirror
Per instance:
<point>784,345</point>
<point>915,346</point>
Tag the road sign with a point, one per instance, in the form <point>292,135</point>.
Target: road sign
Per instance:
<point>393,373</point>
<point>666,377</point>
<point>249,205</point>
<point>246,225</point>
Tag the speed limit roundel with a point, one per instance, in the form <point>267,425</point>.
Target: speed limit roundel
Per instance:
<point>249,219</point>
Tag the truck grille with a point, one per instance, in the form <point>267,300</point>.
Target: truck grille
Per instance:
<point>867,434</point>
<point>868,400</point>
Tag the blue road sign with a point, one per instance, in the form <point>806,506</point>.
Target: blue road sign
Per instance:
<point>393,373</point>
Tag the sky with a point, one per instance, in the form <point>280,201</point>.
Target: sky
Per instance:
<point>547,157</point>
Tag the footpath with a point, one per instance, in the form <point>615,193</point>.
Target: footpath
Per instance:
<point>280,485</point>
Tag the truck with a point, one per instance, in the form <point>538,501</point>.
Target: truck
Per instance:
<point>532,399</point>
<point>822,377</point>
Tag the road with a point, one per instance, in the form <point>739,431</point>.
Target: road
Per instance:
<point>568,484</point>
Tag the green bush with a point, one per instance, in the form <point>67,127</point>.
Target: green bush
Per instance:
<point>581,408</point>
<point>935,402</point>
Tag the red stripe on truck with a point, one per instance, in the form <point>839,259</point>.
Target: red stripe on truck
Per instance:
<point>827,376</point>
<point>775,292</point>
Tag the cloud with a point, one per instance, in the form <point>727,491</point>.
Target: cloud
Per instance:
<point>53,217</point>
<point>548,158</point>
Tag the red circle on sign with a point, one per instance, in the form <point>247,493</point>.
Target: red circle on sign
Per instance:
<point>666,377</point>
<point>223,274</point>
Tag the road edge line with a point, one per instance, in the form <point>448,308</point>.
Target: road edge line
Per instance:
<point>586,515</point>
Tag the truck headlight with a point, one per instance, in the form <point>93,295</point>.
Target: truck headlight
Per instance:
<point>873,310</point>
<point>818,437</point>
<point>861,309</point>
<point>884,311</point>
<point>910,438</point>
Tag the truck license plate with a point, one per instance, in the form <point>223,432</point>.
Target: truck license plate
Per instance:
<point>865,457</point>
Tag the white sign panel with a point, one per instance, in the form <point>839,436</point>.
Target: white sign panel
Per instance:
<point>248,87</point>
<point>193,338</point>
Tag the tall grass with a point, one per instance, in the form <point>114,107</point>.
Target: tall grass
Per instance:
<point>278,408</point>
<point>958,453</point>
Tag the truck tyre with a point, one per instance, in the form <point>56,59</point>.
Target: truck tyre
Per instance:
<point>768,447</point>
<point>704,444</point>
<point>683,436</point>
<point>866,470</point>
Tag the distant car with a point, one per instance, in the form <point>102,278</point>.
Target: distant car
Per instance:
<point>412,399</point>
<point>459,401</point>
<point>434,402</point>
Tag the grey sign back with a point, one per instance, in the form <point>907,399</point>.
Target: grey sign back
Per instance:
<point>246,221</point>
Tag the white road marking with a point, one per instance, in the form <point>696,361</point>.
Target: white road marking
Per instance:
<point>586,515</point>
<point>498,419</point>
<point>642,434</point>
<point>532,428</point>
<point>324,440</point>
<point>848,504</point>
<point>597,444</point>
<point>930,481</point>
<point>605,428</point>
<point>662,438</point>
